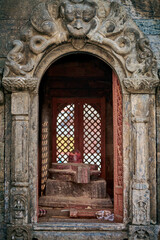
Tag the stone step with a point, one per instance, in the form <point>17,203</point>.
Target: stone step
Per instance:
<point>63,174</point>
<point>75,172</point>
<point>72,165</point>
<point>75,202</point>
<point>94,189</point>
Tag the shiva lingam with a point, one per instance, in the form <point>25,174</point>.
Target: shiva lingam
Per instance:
<point>75,185</point>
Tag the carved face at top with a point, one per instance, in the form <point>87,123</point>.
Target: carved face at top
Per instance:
<point>78,16</point>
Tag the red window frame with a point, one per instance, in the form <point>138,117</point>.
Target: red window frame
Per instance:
<point>78,123</point>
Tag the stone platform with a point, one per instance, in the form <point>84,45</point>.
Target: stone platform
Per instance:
<point>75,185</point>
<point>94,189</point>
<point>74,172</point>
<point>75,202</point>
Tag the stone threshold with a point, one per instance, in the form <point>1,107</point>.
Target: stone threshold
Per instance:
<point>63,226</point>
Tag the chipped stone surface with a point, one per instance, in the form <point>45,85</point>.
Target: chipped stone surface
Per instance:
<point>80,235</point>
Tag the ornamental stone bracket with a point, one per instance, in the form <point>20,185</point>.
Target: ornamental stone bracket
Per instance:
<point>141,85</point>
<point>15,84</point>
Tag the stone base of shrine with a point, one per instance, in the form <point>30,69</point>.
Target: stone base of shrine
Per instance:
<point>79,231</point>
<point>94,189</point>
<point>78,202</point>
<point>61,230</point>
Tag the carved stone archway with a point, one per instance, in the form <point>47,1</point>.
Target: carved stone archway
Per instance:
<point>57,28</point>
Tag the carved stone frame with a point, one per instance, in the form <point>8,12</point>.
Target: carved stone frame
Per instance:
<point>139,129</point>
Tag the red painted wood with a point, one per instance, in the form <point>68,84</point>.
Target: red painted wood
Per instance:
<point>54,119</point>
<point>103,137</point>
<point>118,149</point>
<point>99,105</point>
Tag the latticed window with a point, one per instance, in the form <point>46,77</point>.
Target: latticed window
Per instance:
<point>65,137</point>
<point>79,124</point>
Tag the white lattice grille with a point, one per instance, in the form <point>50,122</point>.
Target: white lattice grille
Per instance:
<point>92,135</point>
<point>65,133</point>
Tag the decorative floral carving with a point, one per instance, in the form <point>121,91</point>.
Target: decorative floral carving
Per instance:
<point>13,84</point>
<point>140,84</point>
<point>77,21</point>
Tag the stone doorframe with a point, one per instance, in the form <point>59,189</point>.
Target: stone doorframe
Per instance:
<point>103,29</point>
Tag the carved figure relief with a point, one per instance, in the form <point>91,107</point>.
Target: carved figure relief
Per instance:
<point>19,207</point>
<point>19,234</point>
<point>80,21</point>
<point>141,207</point>
<point>79,17</point>
<point>141,235</point>
<point>141,211</point>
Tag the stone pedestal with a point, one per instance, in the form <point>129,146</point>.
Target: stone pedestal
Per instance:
<point>75,185</point>
<point>74,172</point>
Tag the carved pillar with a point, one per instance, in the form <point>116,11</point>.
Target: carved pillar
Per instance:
<point>140,151</point>
<point>2,175</point>
<point>19,171</point>
<point>19,157</point>
<point>143,123</point>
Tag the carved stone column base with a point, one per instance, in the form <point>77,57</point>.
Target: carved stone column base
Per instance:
<point>143,232</point>
<point>18,232</point>
<point>141,207</point>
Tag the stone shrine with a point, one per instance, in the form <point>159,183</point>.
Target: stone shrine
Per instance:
<point>75,185</point>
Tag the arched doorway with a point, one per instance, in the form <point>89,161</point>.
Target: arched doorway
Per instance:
<point>114,37</point>
<point>81,108</point>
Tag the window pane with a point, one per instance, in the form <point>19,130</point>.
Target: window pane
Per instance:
<point>65,133</point>
<point>92,135</point>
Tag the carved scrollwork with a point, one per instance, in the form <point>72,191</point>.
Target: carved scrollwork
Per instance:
<point>13,84</point>
<point>79,21</point>
<point>15,60</point>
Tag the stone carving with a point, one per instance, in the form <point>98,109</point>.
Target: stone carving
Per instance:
<point>139,84</point>
<point>15,60</point>
<point>1,97</point>
<point>141,234</point>
<point>80,21</point>
<point>141,207</point>
<point>19,234</point>
<point>78,16</point>
<point>19,207</point>
<point>19,84</point>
